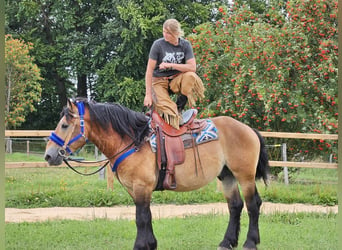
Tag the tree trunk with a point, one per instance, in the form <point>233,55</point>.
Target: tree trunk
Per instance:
<point>82,85</point>
<point>60,81</point>
<point>61,90</point>
<point>9,86</point>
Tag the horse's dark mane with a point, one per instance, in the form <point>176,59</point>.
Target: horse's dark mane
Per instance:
<point>124,121</point>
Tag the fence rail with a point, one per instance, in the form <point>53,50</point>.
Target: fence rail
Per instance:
<point>45,164</point>
<point>293,164</point>
<point>27,133</point>
<point>44,133</point>
<point>303,164</point>
<point>310,136</point>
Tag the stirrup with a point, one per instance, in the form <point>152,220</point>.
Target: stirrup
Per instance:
<point>187,115</point>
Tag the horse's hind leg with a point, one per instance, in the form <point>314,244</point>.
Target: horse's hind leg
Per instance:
<point>253,203</point>
<point>235,205</point>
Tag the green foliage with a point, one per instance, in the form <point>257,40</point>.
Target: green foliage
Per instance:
<point>37,23</point>
<point>131,92</point>
<point>128,91</point>
<point>272,73</point>
<point>22,79</point>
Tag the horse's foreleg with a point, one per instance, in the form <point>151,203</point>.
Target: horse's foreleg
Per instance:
<point>235,205</point>
<point>145,238</point>
<point>110,178</point>
<point>253,203</point>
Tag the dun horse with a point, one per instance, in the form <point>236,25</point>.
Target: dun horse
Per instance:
<point>238,156</point>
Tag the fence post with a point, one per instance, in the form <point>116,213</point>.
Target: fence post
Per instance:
<point>9,145</point>
<point>96,153</point>
<point>102,173</point>
<point>28,147</point>
<point>284,156</point>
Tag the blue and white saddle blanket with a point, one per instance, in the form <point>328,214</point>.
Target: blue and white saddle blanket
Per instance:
<point>209,133</point>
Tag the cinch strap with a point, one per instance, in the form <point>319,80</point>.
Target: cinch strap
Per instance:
<point>122,157</point>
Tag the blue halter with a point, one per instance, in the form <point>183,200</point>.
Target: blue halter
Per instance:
<point>60,142</point>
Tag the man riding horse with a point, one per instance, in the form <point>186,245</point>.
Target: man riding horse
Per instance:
<point>171,68</point>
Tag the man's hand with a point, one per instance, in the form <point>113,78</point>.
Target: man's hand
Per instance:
<point>165,66</point>
<point>148,101</point>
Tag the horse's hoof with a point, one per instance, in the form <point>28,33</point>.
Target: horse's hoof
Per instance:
<point>249,245</point>
<point>224,248</point>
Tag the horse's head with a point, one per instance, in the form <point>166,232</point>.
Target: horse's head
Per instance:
<point>69,134</point>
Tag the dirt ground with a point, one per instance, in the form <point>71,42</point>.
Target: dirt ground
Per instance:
<point>158,211</point>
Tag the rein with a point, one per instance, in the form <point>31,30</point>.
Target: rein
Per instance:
<point>122,154</point>
<point>84,174</point>
<point>115,165</point>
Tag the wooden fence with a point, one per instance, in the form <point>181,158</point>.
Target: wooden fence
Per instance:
<point>46,133</point>
<point>301,136</point>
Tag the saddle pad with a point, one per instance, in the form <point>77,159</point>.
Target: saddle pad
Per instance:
<point>209,133</point>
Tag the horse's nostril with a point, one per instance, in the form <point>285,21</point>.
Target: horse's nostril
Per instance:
<point>47,157</point>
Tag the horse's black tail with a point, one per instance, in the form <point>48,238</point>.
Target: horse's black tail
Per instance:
<point>263,167</point>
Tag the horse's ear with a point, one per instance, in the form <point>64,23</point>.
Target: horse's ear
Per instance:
<point>70,105</point>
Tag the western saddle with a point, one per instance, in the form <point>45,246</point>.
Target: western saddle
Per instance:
<point>170,146</point>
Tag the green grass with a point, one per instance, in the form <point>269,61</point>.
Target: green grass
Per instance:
<point>48,187</point>
<point>57,186</point>
<point>278,231</point>
<point>319,194</point>
<point>20,157</point>
<point>61,187</point>
<point>311,175</point>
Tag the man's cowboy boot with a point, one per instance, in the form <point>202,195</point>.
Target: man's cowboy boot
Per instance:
<point>181,102</point>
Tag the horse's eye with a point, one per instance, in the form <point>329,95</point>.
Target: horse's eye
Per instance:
<point>65,126</point>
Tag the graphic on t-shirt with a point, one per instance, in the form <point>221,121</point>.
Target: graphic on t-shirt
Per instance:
<point>173,57</point>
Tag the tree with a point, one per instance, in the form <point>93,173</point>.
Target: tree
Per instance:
<point>81,26</point>
<point>22,78</point>
<point>273,72</point>
<point>34,22</point>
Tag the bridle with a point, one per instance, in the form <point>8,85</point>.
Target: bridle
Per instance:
<point>60,142</point>
<point>65,146</point>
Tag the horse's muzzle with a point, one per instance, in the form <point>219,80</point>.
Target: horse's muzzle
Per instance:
<point>54,157</point>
